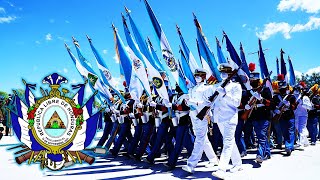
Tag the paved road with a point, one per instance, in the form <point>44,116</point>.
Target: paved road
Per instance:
<point>300,165</point>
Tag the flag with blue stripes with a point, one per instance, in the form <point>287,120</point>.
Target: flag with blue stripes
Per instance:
<point>166,51</point>
<point>188,54</point>
<point>292,79</point>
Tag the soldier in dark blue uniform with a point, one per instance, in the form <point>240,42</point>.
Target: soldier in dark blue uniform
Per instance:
<point>182,136</point>
<point>287,118</point>
<point>261,116</point>
<point>313,118</point>
<point>125,124</point>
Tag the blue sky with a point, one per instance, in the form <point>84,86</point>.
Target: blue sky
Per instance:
<point>33,32</point>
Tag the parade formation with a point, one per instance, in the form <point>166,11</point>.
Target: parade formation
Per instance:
<point>220,107</point>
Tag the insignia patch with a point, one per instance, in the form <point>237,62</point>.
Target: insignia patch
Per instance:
<point>137,64</point>
<point>107,74</point>
<point>169,59</point>
<point>92,79</point>
<point>243,79</point>
<point>157,82</point>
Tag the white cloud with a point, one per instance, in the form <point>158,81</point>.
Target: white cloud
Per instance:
<point>51,20</point>
<point>2,10</point>
<point>38,42</point>
<point>310,6</point>
<point>48,37</point>
<point>115,57</point>
<point>105,51</point>
<point>286,29</point>
<point>7,19</point>
<point>313,70</point>
<point>244,25</point>
<point>66,21</point>
<point>65,70</point>
<point>297,73</point>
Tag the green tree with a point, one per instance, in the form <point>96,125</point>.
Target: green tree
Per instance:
<point>310,80</point>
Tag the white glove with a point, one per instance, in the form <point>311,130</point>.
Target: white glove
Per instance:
<point>286,103</point>
<point>221,91</point>
<point>116,111</point>
<point>191,103</point>
<point>277,111</point>
<point>139,105</point>
<point>153,104</point>
<point>131,115</point>
<point>247,107</point>
<point>257,96</point>
<point>168,105</point>
<point>108,110</point>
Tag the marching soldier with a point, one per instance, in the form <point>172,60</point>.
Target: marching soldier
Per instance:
<point>286,104</point>
<point>313,116</point>
<point>226,114</point>
<point>199,95</point>
<point>301,114</point>
<point>261,116</point>
<point>125,124</point>
<point>182,136</point>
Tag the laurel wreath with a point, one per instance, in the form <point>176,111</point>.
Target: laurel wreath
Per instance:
<point>78,112</point>
<point>31,115</point>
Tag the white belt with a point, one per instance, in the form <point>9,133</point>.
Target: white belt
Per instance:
<point>260,105</point>
<point>180,114</point>
<point>162,116</point>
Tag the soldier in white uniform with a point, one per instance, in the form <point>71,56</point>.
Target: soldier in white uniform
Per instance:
<point>198,99</point>
<point>301,115</point>
<point>226,115</point>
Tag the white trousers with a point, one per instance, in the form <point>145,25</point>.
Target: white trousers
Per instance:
<point>230,149</point>
<point>301,127</point>
<point>201,143</point>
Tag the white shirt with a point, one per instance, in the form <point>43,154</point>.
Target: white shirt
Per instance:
<point>198,97</point>
<point>303,106</point>
<point>226,107</point>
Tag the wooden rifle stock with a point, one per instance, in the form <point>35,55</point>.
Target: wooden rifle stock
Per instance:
<point>204,111</point>
<point>247,113</point>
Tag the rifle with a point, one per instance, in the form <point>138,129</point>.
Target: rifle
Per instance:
<point>204,111</point>
<point>247,113</point>
<point>277,117</point>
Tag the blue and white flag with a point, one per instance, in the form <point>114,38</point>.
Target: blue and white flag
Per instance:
<point>153,75</point>
<point>262,62</point>
<point>221,58</point>
<point>142,45</point>
<point>86,134</point>
<point>166,51</point>
<point>236,63</point>
<point>85,74</point>
<point>93,78</point>
<point>292,79</point>
<point>187,70</point>
<point>78,97</point>
<point>283,68</point>
<point>188,54</point>
<point>29,96</point>
<point>243,60</point>
<point>134,72</point>
<point>104,71</point>
<point>206,55</point>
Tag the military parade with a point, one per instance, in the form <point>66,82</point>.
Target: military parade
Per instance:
<point>216,109</point>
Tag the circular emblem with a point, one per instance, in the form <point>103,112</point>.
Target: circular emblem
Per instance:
<point>243,78</point>
<point>55,122</point>
<point>137,64</point>
<point>157,82</point>
<point>107,74</point>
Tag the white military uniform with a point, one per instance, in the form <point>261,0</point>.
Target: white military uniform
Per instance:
<point>225,113</point>
<point>198,99</point>
<point>301,117</point>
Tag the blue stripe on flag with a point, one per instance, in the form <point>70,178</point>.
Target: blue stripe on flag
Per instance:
<point>91,128</point>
